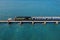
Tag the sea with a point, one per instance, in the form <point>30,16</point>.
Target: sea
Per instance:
<point>38,31</point>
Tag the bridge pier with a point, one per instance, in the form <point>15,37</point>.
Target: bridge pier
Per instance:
<point>44,22</point>
<point>20,22</point>
<point>57,22</point>
<point>9,22</point>
<point>32,22</point>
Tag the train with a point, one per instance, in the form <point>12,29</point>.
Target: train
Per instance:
<point>29,18</point>
<point>23,18</point>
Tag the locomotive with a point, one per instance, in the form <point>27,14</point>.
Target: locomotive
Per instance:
<point>28,18</point>
<point>23,18</point>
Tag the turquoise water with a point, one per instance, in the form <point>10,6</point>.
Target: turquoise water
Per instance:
<point>15,31</point>
<point>29,32</point>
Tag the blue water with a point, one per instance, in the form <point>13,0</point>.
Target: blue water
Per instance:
<point>15,31</point>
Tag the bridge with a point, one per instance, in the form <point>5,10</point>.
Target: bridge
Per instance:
<point>12,21</point>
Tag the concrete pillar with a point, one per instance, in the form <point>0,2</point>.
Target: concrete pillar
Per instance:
<point>9,22</point>
<point>20,22</point>
<point>32,22</point>
<point>44,22</point>
<point>56,22</point>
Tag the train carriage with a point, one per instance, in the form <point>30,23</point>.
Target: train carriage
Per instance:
<point>28,18</point>
<point>46,18</point>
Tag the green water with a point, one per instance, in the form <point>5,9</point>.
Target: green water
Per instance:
<point>30,32</point>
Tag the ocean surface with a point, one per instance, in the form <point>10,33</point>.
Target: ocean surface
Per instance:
<point>15,31</point>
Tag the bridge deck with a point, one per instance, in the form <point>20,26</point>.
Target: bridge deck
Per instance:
<point>29,21</point>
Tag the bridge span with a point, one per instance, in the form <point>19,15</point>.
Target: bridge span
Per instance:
<point>12,21</point>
